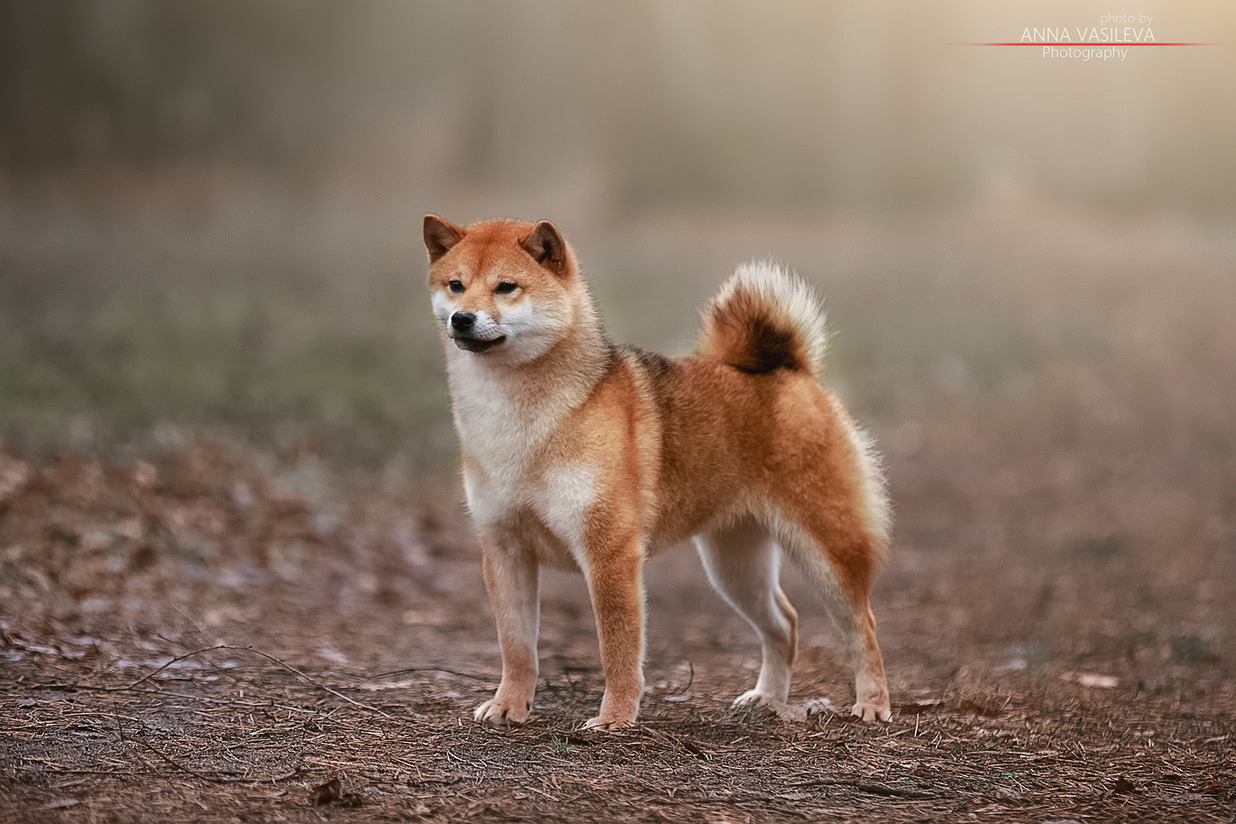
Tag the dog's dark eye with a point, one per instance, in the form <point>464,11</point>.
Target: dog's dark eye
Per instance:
<point>506,287</point>
<point>456,285</point>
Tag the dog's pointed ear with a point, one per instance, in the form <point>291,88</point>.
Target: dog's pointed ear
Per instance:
<point>547,247</point>
<point>440,236</point>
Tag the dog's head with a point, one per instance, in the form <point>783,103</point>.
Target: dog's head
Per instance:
<point>501,289</point>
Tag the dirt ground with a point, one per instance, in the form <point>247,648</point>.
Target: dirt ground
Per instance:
<point>224,631</point>
<point>165,672</point>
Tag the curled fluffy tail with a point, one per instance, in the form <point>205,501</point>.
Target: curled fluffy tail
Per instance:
<point>765,318</point>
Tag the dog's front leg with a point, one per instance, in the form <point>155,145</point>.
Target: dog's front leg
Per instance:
<point>511,578</point>
<point>615,584</point>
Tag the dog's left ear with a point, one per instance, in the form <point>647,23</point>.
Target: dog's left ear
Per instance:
<point>547,247</point>
<point>440,236</point>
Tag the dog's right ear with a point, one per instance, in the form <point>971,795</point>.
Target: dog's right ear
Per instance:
<point>440,236</point>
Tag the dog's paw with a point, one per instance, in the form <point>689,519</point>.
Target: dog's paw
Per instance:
<point>872,712</point>
<point>604,724</point>
<point>502,713</point>
<point>753,699</point>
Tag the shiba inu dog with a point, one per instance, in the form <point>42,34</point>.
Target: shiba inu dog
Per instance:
<point>582,454</point>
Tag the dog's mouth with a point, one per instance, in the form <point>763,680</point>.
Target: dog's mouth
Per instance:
<point>470,344</point>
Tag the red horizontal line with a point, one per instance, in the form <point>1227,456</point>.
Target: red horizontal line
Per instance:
<point>1084,44</point>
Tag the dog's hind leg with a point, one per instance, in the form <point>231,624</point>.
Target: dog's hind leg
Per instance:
<point>841,563</point>
<point>827,508</point>
<point>743,564</point>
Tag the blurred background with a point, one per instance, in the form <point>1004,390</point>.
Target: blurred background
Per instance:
<point>210,231</point>
<point>209,212</point>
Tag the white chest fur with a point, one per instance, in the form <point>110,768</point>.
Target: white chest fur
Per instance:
<point>501,430</point>
<point>512,464</point>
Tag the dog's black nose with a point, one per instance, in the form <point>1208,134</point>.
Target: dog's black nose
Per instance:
<point>463,321</point>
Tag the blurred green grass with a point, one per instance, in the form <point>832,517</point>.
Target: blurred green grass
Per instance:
<point>275,317</point>
<point>290,327</point>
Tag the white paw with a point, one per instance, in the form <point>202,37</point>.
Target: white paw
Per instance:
<point>872,712</point>
<point>502,713</point>
<point>755,698</point>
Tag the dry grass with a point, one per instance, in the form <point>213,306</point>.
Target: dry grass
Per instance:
<point>258,738</point>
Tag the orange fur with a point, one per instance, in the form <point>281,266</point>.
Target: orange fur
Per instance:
<point>583,454</point>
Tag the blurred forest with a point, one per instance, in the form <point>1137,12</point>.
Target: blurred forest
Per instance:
<point>776,105</point>
<point>209,211</point>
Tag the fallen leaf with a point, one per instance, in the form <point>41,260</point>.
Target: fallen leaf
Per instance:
<point>1092,680</point>
<point>144,475</point>
<point>327,793</point>
<point>1106,682</point>
<point>13,475</point>
<point>332,793</point>
<point>130,528</point>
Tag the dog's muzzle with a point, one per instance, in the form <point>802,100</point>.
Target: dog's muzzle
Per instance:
<point>462,326</point>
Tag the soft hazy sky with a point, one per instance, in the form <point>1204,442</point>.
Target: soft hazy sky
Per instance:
<point>645,103</point>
